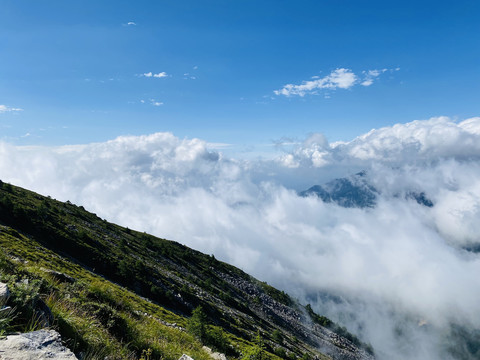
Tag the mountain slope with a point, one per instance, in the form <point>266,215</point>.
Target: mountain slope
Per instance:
<point>121,291</point>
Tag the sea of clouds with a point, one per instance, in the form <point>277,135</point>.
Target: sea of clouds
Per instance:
<point>398,274</point>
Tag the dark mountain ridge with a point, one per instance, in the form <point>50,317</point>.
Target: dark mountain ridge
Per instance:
<point>137,292</point>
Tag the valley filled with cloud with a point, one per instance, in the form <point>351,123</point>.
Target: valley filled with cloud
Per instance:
<point>402,275</point>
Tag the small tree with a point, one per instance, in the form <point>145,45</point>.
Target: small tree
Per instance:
<point>277,336</point>
<point>217,339</point>
<point>196,325</point>
<point>257,351</point>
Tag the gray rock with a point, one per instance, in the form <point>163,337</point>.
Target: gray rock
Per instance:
<point>4,293</point>
<point>36,345</point>
<point>185,357</point>
<point>5,310</point>
<point>214,355</point>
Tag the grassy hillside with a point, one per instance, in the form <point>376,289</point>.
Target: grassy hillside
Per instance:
<point>120,293</point>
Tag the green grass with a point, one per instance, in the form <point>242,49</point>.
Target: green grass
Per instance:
<point>93,315</point>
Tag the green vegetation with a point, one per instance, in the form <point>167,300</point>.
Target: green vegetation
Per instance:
<point>209,335</point>
<point>197,324</point>
<point>116,292</point>
<point>277,295</point>
<point>257,351</point>
<point>320,320</point>
<point>94,316</point>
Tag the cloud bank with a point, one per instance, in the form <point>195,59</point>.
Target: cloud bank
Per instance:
<point>398,275</point>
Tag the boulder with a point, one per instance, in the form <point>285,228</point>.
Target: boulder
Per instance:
<point>36,345</point>
<point>4,293</point>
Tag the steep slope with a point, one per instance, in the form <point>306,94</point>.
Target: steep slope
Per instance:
<point>117,292</point>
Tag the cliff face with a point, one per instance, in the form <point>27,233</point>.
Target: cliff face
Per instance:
<point>126,283</point>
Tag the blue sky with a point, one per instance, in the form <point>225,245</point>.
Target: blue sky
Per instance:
<point>84,71</point>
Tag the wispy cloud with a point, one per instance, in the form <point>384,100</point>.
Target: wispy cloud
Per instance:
<point>370,76</point>
<point>158,75</point>
<point>152,102</point>
<point>155,102</point>
<point>188,76</point>
<point>340,78</point>
<point>130,23</point>
<point>5,108</point>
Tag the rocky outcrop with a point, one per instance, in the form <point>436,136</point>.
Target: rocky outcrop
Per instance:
<point>36,345</point>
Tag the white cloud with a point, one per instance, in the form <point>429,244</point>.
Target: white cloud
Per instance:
<point>152,102</point>
<point>341,78</point>
<point>370,75</point>
<point>417,141</point>
<point>5,108</point>
<point>187,76</point>
<point>158,75</point>
<point>131,23</point>
<point>388,267</point>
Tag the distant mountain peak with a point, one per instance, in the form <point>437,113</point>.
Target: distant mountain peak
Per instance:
<point>352,191</point>
<point>356,191</point>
